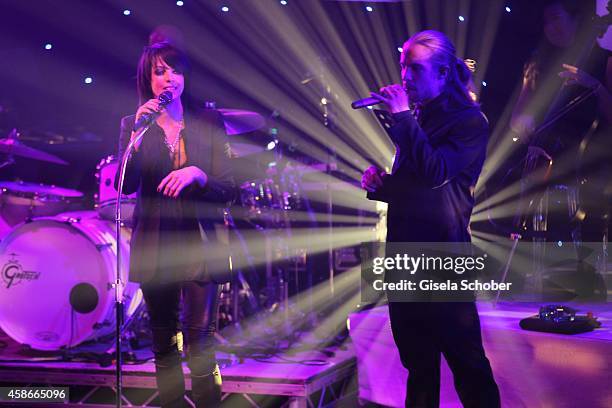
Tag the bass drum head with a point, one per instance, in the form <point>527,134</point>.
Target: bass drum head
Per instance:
<point>57,273</point>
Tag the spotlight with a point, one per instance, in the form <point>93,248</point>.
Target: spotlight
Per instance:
<point>283,2</point>
<point>369,8</point>
<point>400,49</point>
<point>88,80</point>
<point>484,83</point>
<point>515,139</point>
<point>225,9</point>
<point>508,9</point>
<point>271,145</point>
<point>461,18</point>
<point>323,101</point>
<point>126,12</point>
<point>48,46</point>
<point>180,3</point>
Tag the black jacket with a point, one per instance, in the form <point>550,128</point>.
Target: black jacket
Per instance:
<point>167,241</point>
<point>430,190</point>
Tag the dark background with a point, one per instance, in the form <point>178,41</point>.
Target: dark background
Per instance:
<point>44,96</point>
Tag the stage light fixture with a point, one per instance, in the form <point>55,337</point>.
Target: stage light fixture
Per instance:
<point>400,49</point>
<point>88,80</point>
<point>48,46</point>
<point>484,83</point>
<point>126,12</point>
<point>283,2</point>
<point>225,9</point>
<point>508,9</point>
<point>369,9</point>
<point>271,145</point>
<point>461,18</point>
<point>180,3</point>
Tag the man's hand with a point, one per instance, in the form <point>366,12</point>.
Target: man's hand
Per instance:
<point>372,179</point>
<point>394,96</point>
<point>574,75</point>
<point>177,180</point>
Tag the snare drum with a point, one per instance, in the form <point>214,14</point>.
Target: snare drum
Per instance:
<point>106,199</point>
<point>58,272</point>
<point>20,201</point>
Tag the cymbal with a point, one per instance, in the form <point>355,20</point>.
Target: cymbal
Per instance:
<point>53,138</point>
<point>14,147</point>
<point>241,121</point>
<point>26,190</point>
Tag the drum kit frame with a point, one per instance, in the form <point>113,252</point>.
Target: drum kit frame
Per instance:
<point>31,210</point>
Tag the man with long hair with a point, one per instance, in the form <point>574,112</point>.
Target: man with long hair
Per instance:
<point>441,137</point>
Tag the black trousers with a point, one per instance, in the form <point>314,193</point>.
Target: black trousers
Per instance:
<point>199,302</point>
<point>424,330</point>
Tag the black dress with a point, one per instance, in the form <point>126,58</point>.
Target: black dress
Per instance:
<point>170,256</point>
<point>162,225</point>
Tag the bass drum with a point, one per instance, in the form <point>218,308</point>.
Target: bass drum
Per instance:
<point>57,276</point>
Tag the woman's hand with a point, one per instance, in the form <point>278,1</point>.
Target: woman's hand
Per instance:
<point>177,180</point>
<point>150,106</point>
<point>372,179</point>
<point>394,96</point>
<point>575,76</point>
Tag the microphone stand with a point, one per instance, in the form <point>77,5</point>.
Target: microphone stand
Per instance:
<point>118,285</point>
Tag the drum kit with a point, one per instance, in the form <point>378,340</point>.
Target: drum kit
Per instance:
<point>58,259</point>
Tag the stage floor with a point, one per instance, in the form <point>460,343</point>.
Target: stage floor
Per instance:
<point>300,379</point>
<point>532,369</point>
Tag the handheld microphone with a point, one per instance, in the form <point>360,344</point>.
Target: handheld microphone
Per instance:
<point>365,102</point>
<point>146,119</point>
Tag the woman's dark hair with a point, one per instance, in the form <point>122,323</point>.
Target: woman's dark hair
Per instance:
<point>168,53</point>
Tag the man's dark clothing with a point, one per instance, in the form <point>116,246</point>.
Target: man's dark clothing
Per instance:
<point>424,330</point>
<point>430,195</point>
<point>437,164</point>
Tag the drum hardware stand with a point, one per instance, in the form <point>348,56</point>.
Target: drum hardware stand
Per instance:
<point>10,159</point>
<point>331,153</point>
<point>515,240</point>
<point>239,279</point>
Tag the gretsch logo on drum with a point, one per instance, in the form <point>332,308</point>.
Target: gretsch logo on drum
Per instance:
<point>13,273</point>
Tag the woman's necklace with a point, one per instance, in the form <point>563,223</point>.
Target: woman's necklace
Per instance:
<point>172,146</point>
